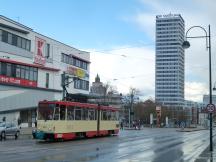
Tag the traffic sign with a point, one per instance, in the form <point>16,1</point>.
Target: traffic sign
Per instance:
<point>210,108</point>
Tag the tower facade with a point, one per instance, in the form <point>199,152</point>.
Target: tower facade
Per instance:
<point>169,66</point>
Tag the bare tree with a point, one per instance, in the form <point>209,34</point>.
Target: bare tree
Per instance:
<point>108,91</point>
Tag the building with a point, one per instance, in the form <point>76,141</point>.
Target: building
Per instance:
<point>97,88</point>
<point>169,67</point>
<point>106,94</point>
<point>31,68</point>
<point>206,99</point>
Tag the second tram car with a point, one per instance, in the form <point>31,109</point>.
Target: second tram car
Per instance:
<point>66,120</point>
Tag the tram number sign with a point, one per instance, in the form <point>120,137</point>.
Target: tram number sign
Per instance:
<point>210,108</point>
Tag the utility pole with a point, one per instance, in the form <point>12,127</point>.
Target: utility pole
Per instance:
<point>65,83</point>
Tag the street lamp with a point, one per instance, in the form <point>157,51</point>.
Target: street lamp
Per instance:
<point>185,45</point>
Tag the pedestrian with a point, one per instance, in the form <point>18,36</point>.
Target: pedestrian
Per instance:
<point>139,124</point>
<point>121,125</point>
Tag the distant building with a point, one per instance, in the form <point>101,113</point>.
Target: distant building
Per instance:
<point>169,70</point>
<point>104,94</point>
<point>206,99</point>
<point>97,87</point>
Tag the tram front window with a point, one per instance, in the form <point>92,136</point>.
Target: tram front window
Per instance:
<point>45,111</point>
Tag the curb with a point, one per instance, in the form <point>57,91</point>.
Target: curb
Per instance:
<point>190,130</point>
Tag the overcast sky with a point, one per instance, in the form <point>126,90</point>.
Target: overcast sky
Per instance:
<point>120,34</point>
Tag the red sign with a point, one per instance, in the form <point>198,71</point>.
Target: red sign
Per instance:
<point>18,81</point>
<point>39,57</point>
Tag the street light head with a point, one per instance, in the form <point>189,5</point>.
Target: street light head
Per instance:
<point>185,44</point>
<point>214,89</point>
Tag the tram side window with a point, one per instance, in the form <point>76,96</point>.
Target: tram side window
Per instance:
<point>62,112</point>
<point>117,115</point>
<point>78,114</point>
<point>91,115</point>
<point>108,115</point>
<point>85,114</point>
<point>104,115</point>
<point>70,113</point>
<point>113,116</point>
<point>56,115</point>
<point>96,114</point>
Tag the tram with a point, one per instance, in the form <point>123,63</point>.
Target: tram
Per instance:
<point>65,120</point>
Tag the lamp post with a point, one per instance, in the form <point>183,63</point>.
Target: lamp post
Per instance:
<point>185,45</point>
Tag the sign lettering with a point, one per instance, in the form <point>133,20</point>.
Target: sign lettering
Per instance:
<point>18,81</point>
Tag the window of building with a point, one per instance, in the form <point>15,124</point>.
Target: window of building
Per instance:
<point>47,80</point>
<point>23,43</point>
<point>81,84</point>
<point>31,73</point>
<point>68,59</point>
<point>13,70</point>
<point>47,53</point>
<point>15,40</point>
<point>26,72</point>
<point>35,74</point>
<point>9,38</point>
<point>4,36</point>
<point>8,73</point>
<point>19,42</point>
<point>28,45</point>
<point>22,72</point>
<point>3,68</point>
<point>18,71</point>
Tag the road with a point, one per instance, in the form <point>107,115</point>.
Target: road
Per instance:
<point>149,144</point>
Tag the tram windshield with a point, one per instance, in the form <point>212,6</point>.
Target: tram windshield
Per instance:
<point>45,111</point>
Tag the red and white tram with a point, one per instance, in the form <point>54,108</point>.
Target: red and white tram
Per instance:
<point>68,120</point>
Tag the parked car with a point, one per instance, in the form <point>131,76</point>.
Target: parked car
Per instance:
<point>8,129</point>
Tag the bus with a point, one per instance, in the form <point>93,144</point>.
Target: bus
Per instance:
<point>66,120</point>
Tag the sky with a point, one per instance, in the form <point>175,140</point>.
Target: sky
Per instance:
<point>120,36</point>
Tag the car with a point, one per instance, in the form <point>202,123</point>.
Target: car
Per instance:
<point>8,129</point>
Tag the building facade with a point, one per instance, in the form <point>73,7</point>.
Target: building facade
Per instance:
<point>206,100</point>
<point>169,67</point>
<point>31,68</point>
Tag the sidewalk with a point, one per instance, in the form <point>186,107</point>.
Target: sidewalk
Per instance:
<point>198,128</point>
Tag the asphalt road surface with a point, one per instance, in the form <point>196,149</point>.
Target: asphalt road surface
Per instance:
<point>149,144</point>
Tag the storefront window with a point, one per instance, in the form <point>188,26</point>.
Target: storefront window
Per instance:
<point>18,71</point>
<point>22,72</point>
<point>35,74</point>
<point>31,73</point>
<point>27,72</point>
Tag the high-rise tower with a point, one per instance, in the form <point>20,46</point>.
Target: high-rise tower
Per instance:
<point>169,67</point>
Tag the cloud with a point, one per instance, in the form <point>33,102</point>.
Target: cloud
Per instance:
<point>194,91</point>
<point>137,69</point>
<point>194,12</point>
<point>125,67</point>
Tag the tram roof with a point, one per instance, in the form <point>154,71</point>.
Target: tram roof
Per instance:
<point>82,105</point>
